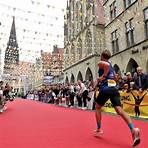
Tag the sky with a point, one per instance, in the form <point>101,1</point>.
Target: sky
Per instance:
<point>39,25</point>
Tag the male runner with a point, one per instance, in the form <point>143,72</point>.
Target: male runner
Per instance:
<point>108,90</point>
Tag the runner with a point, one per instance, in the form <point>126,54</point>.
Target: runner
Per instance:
<point>108,90</point>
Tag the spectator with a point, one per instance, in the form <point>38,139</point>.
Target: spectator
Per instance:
<point>83,92</point>
<point>119,81</point>
<point>6,91</point>
<point>128,81</point>
<point>66,93</point>
<point>72,94</point>
<point>1,96</point>
<point>79,98</point>
<point>140,80</point>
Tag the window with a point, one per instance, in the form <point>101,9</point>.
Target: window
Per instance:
<point>88,42</point>
<point>67,52</point>
<point>72,20</point>
<point>115,45</point>
<point>86,21</point>
<point>127,3</point>
<point>77,17</point>
<point>146,21</point>
<point>81,16</point>
<point>79,49</point>
<point>113,11</point>
<point>129,32</point>
<point>93,10</point>
<point>73,52</point>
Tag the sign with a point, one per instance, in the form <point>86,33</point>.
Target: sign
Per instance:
<point>47,80</point>
<point>134,103</point>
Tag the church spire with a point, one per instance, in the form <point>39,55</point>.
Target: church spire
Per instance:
<point>12,43</point>
<point>12,52</point>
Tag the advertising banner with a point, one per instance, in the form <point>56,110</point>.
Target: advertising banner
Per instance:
<point>47,80</point>
<point>134,103</point>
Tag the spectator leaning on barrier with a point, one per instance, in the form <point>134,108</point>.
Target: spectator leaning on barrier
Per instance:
<point>78,96</point>
<point>119,81</point>
<point>128,81</point>
<point>83,92</point>
<point>71,94</point>
<point>66,93</point>
<point>91,89</point>
<point>141,80</point>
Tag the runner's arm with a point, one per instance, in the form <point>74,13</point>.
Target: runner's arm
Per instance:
<point>105,66</point>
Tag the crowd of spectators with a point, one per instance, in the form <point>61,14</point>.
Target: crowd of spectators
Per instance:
<point>5,95</point>
<point>82,94</point>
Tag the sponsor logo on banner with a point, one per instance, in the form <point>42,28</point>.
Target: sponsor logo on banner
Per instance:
<point>134,103</point>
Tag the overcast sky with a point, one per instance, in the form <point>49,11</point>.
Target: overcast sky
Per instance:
<point>39,25</point>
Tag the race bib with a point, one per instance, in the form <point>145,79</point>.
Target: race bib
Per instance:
<point>111,83</point>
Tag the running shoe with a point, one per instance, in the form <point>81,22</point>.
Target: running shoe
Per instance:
<point>136,136</point>
<point>1,110</point>
<point>98,132</point>
<point>84,108</point>
<point>4,108</point>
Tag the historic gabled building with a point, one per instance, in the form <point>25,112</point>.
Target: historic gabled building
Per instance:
<point>57,65</point>
<point>53,64</point>
<point>38,73</point>
<point>11,52</point>
<point>126,33</point>
<point>57,61</point>
<point>83,38</point>
<point>46,61</point>
<point>23,78</point>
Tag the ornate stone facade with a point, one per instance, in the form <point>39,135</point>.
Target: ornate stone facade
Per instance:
<point>84,39</point>
<point>12,52</point>
<point>126,33</point>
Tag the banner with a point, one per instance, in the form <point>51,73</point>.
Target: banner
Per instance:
<point>47,80</point>
<point>134,103</point>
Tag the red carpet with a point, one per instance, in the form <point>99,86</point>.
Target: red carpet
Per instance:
<point>29,124</point>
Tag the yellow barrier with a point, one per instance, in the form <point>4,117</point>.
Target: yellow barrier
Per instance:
<point>134,103</point>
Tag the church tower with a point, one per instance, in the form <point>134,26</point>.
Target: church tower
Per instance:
<point>12,52</point>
